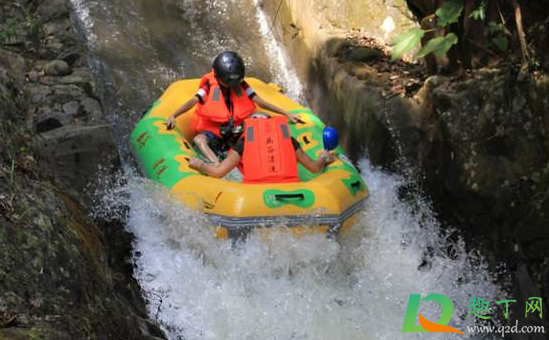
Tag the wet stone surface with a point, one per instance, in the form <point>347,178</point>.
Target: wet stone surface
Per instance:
<point>63,275</point>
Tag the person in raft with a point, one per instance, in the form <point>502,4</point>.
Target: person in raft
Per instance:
<point>224,100</point>
<point>266,153</point>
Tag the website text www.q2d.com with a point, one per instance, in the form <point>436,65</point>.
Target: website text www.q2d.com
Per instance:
<point>503,330</point>
<point>478,308</point>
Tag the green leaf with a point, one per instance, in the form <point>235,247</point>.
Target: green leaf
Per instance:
<point>501,43</point>
<point>479,13</point>
<point>494,28</point>
<point>449,12</point>
<point>439,46</point>
<point>405,42</point>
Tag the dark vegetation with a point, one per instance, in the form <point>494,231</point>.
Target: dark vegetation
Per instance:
<point>465,34</point>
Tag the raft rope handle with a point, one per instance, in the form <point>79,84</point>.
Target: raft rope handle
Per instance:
<point>282,197</point>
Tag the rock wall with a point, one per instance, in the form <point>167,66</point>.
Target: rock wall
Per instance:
<point>305,26</point>
<point>478,141</point>
<point>63,275</point>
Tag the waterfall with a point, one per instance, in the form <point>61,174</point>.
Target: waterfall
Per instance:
<point>275,287</point>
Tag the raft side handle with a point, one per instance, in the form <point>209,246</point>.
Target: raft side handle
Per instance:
<point>356,185</point>
<point>289,197</point>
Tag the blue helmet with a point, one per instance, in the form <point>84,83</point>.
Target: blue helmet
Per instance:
<point>330,137</point>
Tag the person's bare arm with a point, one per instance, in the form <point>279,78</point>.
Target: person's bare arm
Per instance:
<point>312,165</point>
<point>262,103</point>
<point>183,108</point>
<point>213,170</point>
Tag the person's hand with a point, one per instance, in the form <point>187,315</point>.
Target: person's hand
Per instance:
<point>171,123</point>
<point>196,163</point>
<point>293,118</point>
<point>327,157</point>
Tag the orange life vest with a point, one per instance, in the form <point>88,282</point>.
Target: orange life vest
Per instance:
<point>214,111</point>
<point>269,155</point>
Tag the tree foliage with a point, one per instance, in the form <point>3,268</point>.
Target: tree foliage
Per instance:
<point>483,29</point>
<point>439,45</point>
<point>447,14</point>
<point>405,42</point>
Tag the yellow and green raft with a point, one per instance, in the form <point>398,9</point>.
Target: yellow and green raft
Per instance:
<point>327,202</point>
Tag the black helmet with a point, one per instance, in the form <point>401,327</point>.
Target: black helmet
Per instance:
<point>229,68</point>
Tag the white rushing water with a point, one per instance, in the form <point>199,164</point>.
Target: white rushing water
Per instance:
<point>283,287</point>
<point>299,288</point>
<point>285,75</point>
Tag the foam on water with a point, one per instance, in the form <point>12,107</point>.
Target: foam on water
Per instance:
<point>82,12</point>
<point>282,287</point>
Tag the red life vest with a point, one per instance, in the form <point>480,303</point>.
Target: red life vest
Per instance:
<point>269,155</point>
<point>214,111</point>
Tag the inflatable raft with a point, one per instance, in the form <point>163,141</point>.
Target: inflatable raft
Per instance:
<point>326,202</point>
